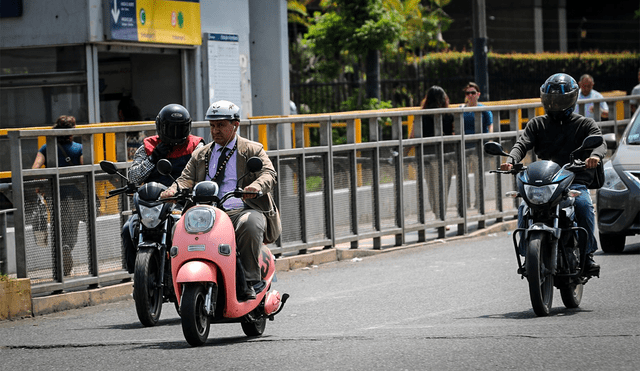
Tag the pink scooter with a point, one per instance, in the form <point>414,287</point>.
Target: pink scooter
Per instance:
<point>204,267</point>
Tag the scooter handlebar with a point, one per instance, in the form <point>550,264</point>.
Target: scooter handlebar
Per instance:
<point>126,189</point>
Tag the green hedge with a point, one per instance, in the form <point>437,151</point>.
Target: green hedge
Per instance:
<point>511,76</point>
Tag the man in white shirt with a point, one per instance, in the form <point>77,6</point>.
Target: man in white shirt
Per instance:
<point>587,92</point>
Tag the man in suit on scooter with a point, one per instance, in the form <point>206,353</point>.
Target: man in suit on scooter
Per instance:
<point>256,219</point>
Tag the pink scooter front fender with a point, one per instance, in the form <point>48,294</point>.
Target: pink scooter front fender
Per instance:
<point>195,271</point>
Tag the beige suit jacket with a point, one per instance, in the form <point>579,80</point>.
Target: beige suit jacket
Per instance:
<point>264,180</point>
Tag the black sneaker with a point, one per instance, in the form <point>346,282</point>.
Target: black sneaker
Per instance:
<point>591,267</point>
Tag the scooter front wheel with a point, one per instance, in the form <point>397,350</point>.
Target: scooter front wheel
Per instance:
<point>195,321</point>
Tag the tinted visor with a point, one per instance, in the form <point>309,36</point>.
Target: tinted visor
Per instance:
<point>558,102</point>
<point>174,133</point>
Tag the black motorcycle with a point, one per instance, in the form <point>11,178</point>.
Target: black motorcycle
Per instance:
<point>555,247</point>
<point>151,227</point>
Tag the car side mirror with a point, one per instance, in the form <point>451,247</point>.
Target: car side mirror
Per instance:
<point>611,141</point>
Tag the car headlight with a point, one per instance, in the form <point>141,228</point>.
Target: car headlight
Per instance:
<point>150,216</point>
<point>612,181</point>
<point>539,195</point>
<point>634,177</point>
<point>199,219</point>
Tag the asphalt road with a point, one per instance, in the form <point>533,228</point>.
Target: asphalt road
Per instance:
<point>451,306</point>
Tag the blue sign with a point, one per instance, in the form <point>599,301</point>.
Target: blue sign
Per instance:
<point>123,21</point>
<point>223,37</point>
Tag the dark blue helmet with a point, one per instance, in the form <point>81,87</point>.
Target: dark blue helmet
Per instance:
<point>173,124</point>
<point>559,95</point>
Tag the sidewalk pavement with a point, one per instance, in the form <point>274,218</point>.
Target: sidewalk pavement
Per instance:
<point>123,291</point>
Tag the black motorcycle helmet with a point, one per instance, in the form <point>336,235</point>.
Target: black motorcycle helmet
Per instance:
<point>559,95</point>
<point>173,124</point>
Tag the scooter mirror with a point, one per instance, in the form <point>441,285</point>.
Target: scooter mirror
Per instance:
<point>164,167</point>
<point>254,164</point>
<point>494,148</point>
<point>108,167</point>
<point>592,141</point>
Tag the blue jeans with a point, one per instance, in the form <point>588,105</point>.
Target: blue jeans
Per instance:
<point>585,216</point>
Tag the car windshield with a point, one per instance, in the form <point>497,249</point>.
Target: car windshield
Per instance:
<point>634,133</point>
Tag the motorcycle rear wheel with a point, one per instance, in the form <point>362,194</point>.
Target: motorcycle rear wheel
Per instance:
<point>195,322</point>
<point>146,293</point>
<point>539,275</point>
<point>254,328</point>
<point>572,295</point>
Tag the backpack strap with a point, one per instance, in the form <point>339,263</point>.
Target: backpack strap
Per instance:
<point>66,156</point>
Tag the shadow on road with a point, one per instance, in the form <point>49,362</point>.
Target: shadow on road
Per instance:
<point>529,314</point>
<point>217,342</point>
<point>137,325</point>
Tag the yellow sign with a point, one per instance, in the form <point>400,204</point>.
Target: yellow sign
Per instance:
<point>169,22</point>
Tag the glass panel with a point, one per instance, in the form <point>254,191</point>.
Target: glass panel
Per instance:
<point>42,60</point>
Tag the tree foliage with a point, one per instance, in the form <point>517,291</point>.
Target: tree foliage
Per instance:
<point>341,36</point>
<point>338,38</point>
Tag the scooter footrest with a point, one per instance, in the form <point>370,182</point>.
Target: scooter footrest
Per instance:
<point>258,287</point>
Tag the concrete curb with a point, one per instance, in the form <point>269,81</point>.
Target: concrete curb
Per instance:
<point>72,300</point>
<point>123,291</point>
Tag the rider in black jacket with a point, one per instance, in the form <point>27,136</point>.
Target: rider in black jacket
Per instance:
<point>553,137</point>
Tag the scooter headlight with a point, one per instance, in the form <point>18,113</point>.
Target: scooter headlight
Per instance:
<point>539,195</point>
<point>150,216</point>
<point>199,219</point>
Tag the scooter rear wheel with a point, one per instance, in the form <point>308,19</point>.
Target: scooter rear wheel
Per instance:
<point>254,328</point>
<point>195,321</point>
<point>146,293</point>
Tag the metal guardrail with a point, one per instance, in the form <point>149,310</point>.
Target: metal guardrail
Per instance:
<point>327,194</point>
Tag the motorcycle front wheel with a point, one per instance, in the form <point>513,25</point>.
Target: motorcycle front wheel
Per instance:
<point>195,321</point>
<point>146,293</point>
<point>539,275</point>
<point>572,295</point>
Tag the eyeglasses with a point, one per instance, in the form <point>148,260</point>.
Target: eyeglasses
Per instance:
<point>470,93</point>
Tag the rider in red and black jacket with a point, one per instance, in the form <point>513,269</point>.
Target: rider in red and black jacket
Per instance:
<point>174,143</point>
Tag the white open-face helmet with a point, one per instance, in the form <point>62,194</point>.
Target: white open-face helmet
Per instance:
<point>223,110</point>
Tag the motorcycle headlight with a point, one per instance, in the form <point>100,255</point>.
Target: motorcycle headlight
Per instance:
<point>612,181</point>
<point>199,219</point>
<point>150,216</point>
<point>540,195</point>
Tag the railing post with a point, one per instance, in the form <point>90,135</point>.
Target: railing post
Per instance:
<point>91,201</point>
<point>17,183</point>
<point>399,163</point>
<point>375,133</point>
<point>326,139</point>
<point>353,165</point>
<point>463,180</point>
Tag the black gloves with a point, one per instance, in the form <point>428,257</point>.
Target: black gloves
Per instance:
<point>161,151</point>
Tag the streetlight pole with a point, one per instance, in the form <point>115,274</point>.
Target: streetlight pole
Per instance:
<point>480,48</point>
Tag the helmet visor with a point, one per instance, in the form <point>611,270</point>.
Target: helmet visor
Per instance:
<point>174,133</point>
<point>557,102</point>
